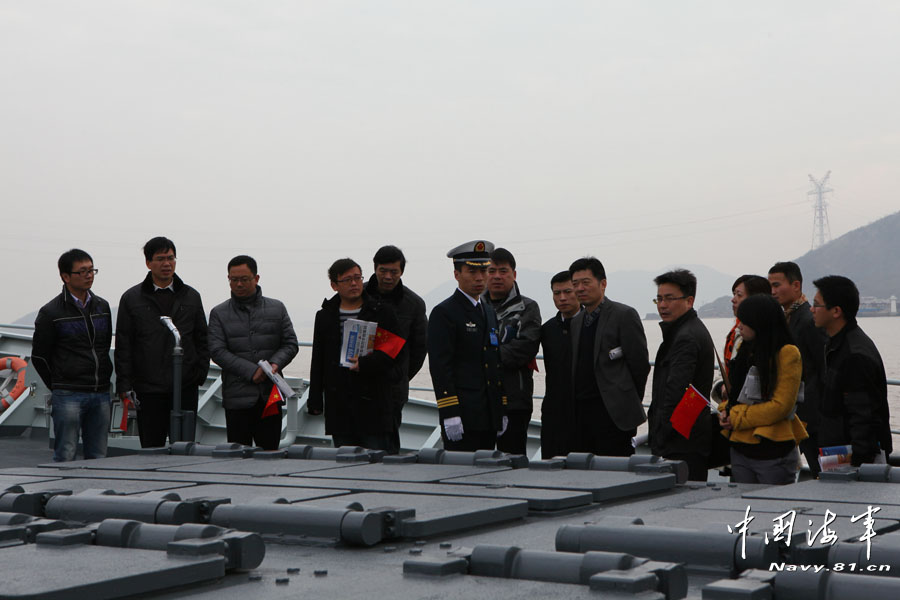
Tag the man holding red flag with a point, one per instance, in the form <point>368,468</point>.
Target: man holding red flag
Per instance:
<point>356,400</point>
<point>682,377</point>
<point>244,330</point>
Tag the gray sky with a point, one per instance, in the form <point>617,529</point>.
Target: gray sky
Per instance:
<point>645,133</point>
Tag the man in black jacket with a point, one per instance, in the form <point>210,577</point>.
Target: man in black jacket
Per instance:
<point>684,358</point>
<point>558,420</point>
<point>144,345</point>
<point>70,350</point>
<point>244,330</point>
<point>854,408</point>
<point>519,327</point>
<point>610,364</point>
<point>386,285</point>
<point>787,287</point>
<point>356,400</point>
<point>463,357</point>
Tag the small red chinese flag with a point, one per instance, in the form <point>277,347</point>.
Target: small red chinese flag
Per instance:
<point>533,365</point>
<point>272,403</point>
<point>691,406</point>
<point>389,343</point>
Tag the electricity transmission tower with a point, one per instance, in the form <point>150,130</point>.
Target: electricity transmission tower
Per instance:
<point>821,229</point>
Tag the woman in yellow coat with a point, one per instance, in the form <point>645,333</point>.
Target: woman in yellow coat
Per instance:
<point>761,422</point>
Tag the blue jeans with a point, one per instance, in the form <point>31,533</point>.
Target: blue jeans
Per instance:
<point>84,412</point>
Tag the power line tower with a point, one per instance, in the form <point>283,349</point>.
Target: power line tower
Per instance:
<point>821,229</point>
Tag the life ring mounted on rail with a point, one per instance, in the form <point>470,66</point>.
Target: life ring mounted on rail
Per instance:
<point>15,367</point>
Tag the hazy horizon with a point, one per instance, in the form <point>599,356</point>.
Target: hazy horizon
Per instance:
<point>645,133</point>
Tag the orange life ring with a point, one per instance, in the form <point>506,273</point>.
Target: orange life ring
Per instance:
<point>17,366</point>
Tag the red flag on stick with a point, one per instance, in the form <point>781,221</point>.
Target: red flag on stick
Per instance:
<point>272,403</point>
<point>389,343</point>
<point>691,406</point>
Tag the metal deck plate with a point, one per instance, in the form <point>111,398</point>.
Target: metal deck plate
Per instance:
<point>777,507</point>
<point>718,521</point>
<point>242,494</point>
<point>414,473</point>
<point>121,486</point>
<point>10,480</point>
<point>436,515</point>
<point>604,485</point>
<point>77,572</point>
<point>854,492</point>
<point>538,499</point>
<point>258,467</point>
<point>132,462</point>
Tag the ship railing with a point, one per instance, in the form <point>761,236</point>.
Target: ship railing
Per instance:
<point>420,427</point>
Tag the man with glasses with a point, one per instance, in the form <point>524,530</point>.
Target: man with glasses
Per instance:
<point>356,400</point>
<point>144,345</point>
<point>685,357</point>
<point>70,350</point>
<point>386,285</point>
<point>854,408</point>
<point>244,330</point>
<point>610,365</point>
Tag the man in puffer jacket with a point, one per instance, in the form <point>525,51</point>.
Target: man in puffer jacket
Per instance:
<point>244,330</point>
<point>519,330</point>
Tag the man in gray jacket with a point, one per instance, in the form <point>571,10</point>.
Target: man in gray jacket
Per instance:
<point>242,331</point>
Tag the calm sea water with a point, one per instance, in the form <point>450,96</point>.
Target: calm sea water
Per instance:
<point>884,331</point>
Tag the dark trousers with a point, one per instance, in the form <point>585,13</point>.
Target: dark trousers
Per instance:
<point>153,416</point>
<point>248,427</point>
<point>698,469</point>
<point>810,449</point>
<point>370,441</point>
<point>596,431</point>
<point>515,438</point>
<point>397,420</point>
<point>472,441</point>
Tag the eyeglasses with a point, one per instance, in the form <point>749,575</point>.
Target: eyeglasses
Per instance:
<point>243,279</point>
<point>162,259</point>
<point>667,299</point>
<point>85,272</point>
<point>819,305</point>
<point>351,279</point>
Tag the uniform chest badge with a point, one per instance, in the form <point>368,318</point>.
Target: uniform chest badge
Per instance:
<point>470,326</point>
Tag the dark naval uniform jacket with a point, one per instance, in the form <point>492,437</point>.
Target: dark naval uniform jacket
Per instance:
<point>465,364</point>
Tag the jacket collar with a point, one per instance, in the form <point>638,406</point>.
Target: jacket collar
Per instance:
<point>670,329</point>
<point>247,301</point>
<point>334,303</point>
<point>837,340</point>
<point>147,284</point>
<point>67,298</point>
<point>513,302</point>
<point>395,295</point>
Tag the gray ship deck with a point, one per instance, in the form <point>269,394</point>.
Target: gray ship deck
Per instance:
<point>434,518</point>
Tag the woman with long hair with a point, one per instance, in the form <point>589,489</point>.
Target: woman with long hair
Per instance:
<point>760,420</point>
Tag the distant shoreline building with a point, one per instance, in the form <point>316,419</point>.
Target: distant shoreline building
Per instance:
<point>869,306</point>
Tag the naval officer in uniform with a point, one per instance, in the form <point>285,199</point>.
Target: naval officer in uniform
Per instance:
<point>463,356</point>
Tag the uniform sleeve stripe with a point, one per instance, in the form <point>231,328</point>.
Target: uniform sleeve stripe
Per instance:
<point>504,400</point>
<point>448,401</point>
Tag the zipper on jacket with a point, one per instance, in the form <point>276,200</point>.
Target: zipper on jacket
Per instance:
<point>93,349</point>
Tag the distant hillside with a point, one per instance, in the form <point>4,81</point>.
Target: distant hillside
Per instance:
<point>870,256</point>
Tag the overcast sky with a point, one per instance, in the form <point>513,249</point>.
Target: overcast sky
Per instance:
<point>645,133</point>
